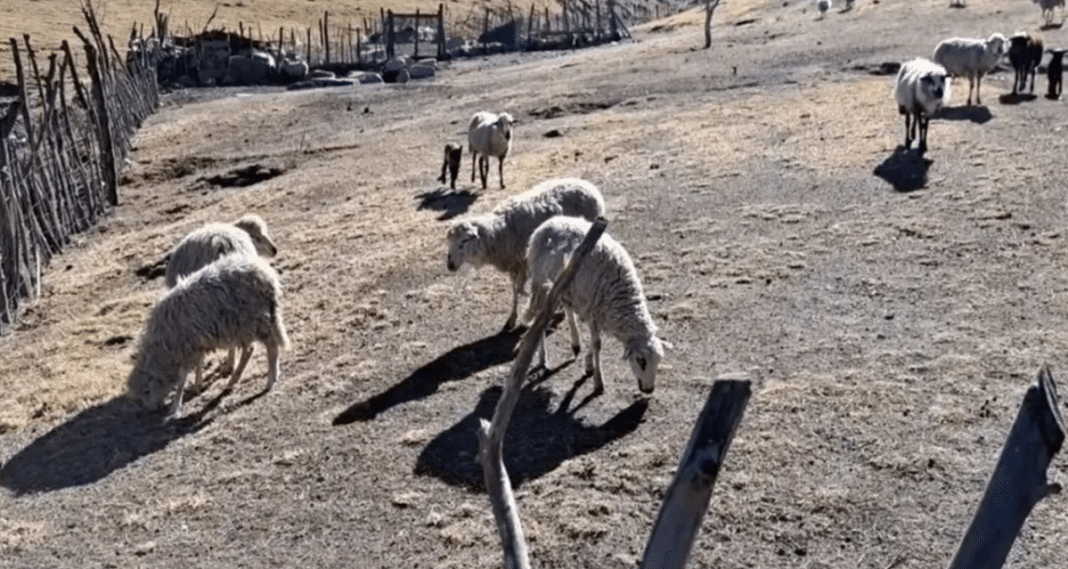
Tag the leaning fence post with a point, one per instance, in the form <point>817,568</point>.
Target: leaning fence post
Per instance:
<point>1018,481</point>
<point>687,498</point>
<point>104,120</point>
<point>491,434</point>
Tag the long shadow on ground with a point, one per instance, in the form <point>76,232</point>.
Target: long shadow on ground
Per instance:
<point>456,364</point>
<point>450,202</point>
<point>92,445</point>
<point>905,170</point>
<point>537,441</point>
<point>975,114</point>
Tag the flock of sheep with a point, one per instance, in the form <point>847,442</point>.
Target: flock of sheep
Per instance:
<point>923,85</point>
<point>222,294</point>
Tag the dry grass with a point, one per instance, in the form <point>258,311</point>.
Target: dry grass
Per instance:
<point>890,334</point>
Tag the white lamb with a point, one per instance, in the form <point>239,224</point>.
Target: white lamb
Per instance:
<point>488,135</point>
<point>235,301</point>
<point>605,293</point>
<point>921,88</point>
<point>500,238</point>
<point>246,236</point>
<point>971,58</point>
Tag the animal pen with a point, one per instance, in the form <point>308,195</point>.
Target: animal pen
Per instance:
<point>61,144</point>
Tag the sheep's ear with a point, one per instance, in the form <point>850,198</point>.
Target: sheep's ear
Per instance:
<point>627,352</point>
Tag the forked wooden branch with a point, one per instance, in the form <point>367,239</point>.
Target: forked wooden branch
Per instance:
<point>687,498</point>
<point>1018,481</point>
<point>491,434</point>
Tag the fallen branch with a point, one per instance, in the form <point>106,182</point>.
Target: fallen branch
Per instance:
<point>687,498</point>
<point>1018,481</point>
<point>491,434</point>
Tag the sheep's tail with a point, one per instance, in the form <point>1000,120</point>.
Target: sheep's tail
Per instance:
<point>279,332</point>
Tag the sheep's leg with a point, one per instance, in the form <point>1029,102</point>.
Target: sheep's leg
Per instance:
<point>274,368</point>
<point>474,158</point>
<point>978,86</point>
<point>500,170</point>
<point>575,346</point>
<point>483,169</point>
<point>593,358</point>
<point>923,119</point>
<point>176,403</point>
<point>246,354</point>
<point>905,114</point>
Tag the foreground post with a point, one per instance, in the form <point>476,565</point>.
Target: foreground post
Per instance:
<point>491,435</point>
<point>687,498</point>
<point>1019,479</point>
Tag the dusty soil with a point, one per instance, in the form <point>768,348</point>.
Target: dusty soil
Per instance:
<point>891,313</point>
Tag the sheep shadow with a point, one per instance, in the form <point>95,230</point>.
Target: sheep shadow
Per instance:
<point>93,444</point>
<point>976,114</point>
<point>456,364</point>
<point>1052,26</point>
<point>905,170</point>
<point>539,438</point>
<point>450,202</point>
<point>1016,98</point>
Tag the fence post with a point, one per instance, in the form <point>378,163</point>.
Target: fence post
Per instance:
<point>389,33</point>
<point>104,121</point>
<point>441,31</point>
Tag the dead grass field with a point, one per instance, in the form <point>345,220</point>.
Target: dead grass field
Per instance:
<point>890,329</point>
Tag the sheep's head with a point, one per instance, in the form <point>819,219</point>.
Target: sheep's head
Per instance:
<point>147,388</point>
<point>504,125</point>
<point>257,229</point>
<point>644,358</point>
<point>935,88</point>
<point>998,44</point>
<point>463,243</point>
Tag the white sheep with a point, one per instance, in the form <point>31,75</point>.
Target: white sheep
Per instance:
<point>235,301</point>
<point>500,238</point>
<point>971,58</point>
<point>921,88</point>
<point>488,135</point>
<point>246,236</point>
<point>605,293</point>
<point>1047,9</point>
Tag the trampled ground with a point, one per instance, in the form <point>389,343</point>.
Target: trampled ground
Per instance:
<point>890,312</point>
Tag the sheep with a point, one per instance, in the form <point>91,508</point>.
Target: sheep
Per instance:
<point>605,293</point>
<point>921,88</point>
<point>1047,9</point>
<point>971,58</point>
<point>247,236</point>
<point>453,153</point>
<point>1025,53</point>
<point>500,238</point>
<point>823,6</point>
<point>234,301</point>
<point>1054,72</point>
<point>489,135</point>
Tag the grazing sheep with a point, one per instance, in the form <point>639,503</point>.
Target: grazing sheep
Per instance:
<point>500,238</point>
<point>605,293</point>
<point>453,153</point>
<point>489,135</point>
<point>823,6</point>
<point>235,301</point>
<point>1025,53</point>
<point>1055,72</point>
<point>971,58</point>
<point>1047,9</point>
<point>920,89</point>
<point>247,236</point>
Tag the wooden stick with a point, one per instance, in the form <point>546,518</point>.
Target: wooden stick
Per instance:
<point>491,434</point>
<point>688,496</point>
<point>1019,479</point>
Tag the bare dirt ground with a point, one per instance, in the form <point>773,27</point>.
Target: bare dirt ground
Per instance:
<point>890,312</point>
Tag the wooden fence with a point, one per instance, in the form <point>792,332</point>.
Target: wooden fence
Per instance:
<point>63,136</point>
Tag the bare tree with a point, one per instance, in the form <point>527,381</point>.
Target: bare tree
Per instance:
<point>710,6</point>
